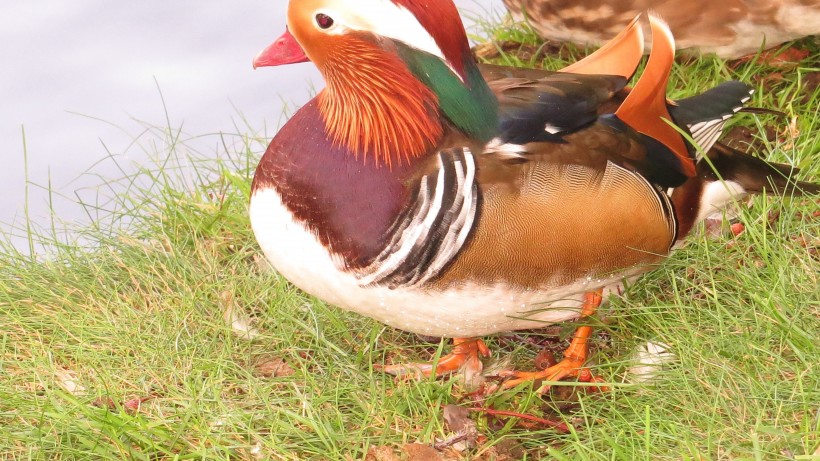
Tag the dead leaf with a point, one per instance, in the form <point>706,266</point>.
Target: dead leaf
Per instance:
<point>509,449</point>
<point>420,452</point>
<point>263,266</point>
<point>133,405</point>
<point>239,323</point>
<point>649,359</point>
<point>544,359</point>
<point>790,134</point>
<point>381,453</point>
<point>775,57</point>
<point>465,432</point>
<point>104,402</point>
<point>811,83</point>
<point>271,367</point>
<point>68,380</point>
<point>457,418</point>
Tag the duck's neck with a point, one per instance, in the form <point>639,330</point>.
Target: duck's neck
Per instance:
<point>375,107</point>
<point>464,98</point>
<point>394,106</point>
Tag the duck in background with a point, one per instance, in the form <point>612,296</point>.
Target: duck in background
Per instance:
<point>729,29</point>
<point>448,198</point>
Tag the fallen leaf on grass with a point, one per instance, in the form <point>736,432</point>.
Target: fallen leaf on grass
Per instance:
<point>811,83</point>
<point>464,429</point>
<point>104,402</point>
<point>131,406</point>
<point>505,450</point>
<point>381,453</point>
<point>421,452</point>
<point>239,323</point>
<point>68,380</point>
<point>775,57</point>
<point>790,134</point>
<point>271,367</point>
<point>649,359</point>
<point>262,265</point>
<point>544,359</point>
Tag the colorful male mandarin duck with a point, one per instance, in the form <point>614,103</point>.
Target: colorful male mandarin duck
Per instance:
<point>453,199</point>
<point>728,28</point>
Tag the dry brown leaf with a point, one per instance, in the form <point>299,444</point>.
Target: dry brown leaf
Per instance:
<point>68,380</point>
<point>544,359</point>
<point>457,418</point>
<point>271,367</point>
<point>133,405</point>
<point>263,266</point>
<point>509,449</point>
<point>790,133</point>
<point>420,452</point>
<point>381,453</point>
<point>240,324</point>
<point>464,428</point>
<point>104,402</point>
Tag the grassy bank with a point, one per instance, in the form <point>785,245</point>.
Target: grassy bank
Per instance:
<point>175,340</point>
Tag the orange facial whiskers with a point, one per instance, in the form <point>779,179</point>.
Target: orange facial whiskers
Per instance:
<point>375,106</point>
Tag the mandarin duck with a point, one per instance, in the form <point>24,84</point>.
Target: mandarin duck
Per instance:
<point>730,29</point>
<point>452,199</point>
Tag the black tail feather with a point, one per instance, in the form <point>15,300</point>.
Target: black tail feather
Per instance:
<point>753,174</point>
<point>705,115</point>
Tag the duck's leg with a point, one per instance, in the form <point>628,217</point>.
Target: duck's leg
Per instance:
<point>466,355</point>
<point>574,357</point>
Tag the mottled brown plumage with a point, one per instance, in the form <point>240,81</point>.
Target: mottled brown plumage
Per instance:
<point>730,28</point>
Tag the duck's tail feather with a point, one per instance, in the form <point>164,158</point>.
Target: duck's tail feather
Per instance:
<point>753,174</point>
<point>706,114</point>
<point>726,175</point>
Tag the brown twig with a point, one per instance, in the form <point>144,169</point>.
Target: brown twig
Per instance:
<point>446,443</point>
<point>558,426</point>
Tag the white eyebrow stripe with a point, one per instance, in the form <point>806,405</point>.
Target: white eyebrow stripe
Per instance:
<point>384,18</point>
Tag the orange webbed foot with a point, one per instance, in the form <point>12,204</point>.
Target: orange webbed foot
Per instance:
<point>572,365</point>
<point>567,368</point>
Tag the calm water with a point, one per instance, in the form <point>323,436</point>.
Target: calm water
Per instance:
<point>84,79</point>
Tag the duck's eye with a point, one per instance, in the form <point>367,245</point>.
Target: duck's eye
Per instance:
<point>324,21</point>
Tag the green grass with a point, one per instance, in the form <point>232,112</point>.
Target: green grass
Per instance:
<point>141,313</point>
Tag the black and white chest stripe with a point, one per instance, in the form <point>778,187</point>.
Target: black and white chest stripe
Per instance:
<point>433,227</point>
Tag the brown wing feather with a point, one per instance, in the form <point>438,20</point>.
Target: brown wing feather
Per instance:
<point>546,223</point>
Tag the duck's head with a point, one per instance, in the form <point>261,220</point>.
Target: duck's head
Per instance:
<point>319,27</point>
<point>398,72</point>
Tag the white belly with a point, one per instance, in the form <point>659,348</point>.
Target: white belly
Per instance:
<point>466,311</point>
